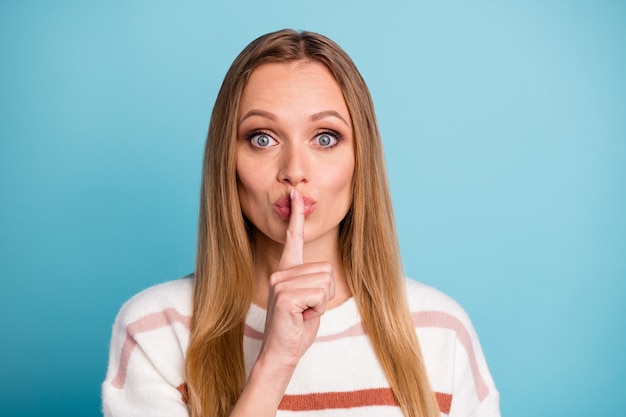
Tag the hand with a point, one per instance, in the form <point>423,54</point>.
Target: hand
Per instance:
<point>297,298</point>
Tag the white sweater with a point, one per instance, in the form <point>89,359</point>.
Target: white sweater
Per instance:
<point>338,376</point>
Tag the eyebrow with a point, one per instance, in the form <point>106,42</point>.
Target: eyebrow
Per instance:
<point>272,116</point>
<point>329,113</point>
<point>261,113</point>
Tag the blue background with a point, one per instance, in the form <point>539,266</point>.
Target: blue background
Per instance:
<point>505,132</point>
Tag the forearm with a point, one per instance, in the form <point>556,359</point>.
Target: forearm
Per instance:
<point>264,390</point>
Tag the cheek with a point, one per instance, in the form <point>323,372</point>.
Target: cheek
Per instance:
<point>245,176</point>
<point>251,185</point>
<point>341,177</point>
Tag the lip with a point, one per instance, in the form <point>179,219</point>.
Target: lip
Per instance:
<point>282,206</point>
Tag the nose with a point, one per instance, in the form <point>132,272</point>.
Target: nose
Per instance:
<point>294,165</point>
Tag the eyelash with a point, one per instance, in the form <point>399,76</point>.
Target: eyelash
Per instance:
<point>334,134</point>
<point>256,133</point>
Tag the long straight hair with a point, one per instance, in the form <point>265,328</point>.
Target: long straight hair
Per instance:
<point>223,282</point>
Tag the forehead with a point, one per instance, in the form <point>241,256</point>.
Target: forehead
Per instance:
<point>305,86</point>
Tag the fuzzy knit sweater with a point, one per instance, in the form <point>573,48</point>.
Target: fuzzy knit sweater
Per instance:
<point>339,376</point>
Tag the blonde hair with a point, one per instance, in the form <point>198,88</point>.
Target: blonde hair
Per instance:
<point>368,243</point>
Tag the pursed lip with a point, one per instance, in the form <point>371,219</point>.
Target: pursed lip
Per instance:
<point>283,206</point>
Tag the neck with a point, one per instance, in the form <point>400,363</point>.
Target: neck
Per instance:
<point>267,254</point>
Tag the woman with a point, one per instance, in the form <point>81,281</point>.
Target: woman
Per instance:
<point>298,305</point>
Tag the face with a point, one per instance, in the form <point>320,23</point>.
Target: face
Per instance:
<point>294,131</point>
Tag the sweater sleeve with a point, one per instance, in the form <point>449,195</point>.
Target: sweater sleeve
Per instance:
<point>145,375</point>
<point>453,354</point>
<point>475,394</point>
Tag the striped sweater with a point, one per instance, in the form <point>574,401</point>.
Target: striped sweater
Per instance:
<point>338,376</point>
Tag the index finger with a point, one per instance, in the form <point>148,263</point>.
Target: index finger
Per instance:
<point>294,241</point>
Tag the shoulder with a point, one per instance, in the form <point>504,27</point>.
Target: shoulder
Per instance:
<point>147,352</point>
<point>422,297</point>
<point>170,301</point>
<point>430,308</point>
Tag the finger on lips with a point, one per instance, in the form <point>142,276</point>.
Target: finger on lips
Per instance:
<point>313,281</point>
<point>294,241</point>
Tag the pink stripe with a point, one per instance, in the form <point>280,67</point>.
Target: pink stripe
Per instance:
<point>147,323</point>
<point>251,333</point>
<point>445,320</point>
<point>420,319</point>
<point>356,330</point>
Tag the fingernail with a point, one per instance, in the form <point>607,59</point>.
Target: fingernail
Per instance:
<point>292,192</point>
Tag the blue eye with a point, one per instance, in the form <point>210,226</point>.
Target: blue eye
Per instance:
<point>261,140</point>
<point>327,139</point>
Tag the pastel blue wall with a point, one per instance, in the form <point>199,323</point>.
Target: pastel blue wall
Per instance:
<point>505,132</point>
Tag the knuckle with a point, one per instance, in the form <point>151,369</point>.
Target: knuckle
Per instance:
<point>279,288</point>
<point>327,267</point>
<point>275,279</point>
